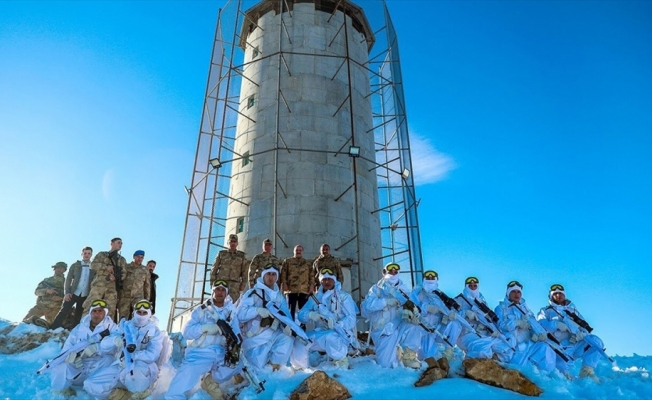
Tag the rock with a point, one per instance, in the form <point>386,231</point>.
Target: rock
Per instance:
<point>27,338</point>
<point>489,372</point>
<point>437,369</point>
<point>320,386</point>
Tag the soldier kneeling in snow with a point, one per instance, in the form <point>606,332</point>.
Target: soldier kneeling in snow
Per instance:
<point>87,351</point>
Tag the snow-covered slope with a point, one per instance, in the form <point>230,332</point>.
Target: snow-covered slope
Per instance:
<point>365,380</point>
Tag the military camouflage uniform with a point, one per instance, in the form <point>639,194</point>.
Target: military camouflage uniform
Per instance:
<point>136,286</point>
<point>101,287</point>
<point>231,267</point>
<point>257,265</point>
<point>297,274</point>
<point>327,262</point>
<point>47,305</point>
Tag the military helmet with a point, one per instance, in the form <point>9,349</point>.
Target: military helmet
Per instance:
<point>60,264</point>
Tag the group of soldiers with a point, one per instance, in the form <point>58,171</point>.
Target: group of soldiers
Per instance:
<point>239,332</point>
<point>299,276</point>
<point>107,277</point>
<point>425,322</point>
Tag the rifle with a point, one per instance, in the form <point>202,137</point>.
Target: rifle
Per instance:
<point>117,271</point>
<point>285,320</point>
<point>235,354</point>
<point>578,325</point>
<point>452,305</point>
<point>59,291</point>
<point>551,340</point>
<point>346,335</point>
<point>128,347</point>
<point>76,348</point>
<point>481,310</point>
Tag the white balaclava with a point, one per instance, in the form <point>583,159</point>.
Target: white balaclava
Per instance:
<point>142,320</point>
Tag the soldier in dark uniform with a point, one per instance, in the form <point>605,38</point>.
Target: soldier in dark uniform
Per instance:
<point>231,265</point>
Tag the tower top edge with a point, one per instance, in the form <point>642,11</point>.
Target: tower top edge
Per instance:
<point>355,12</point>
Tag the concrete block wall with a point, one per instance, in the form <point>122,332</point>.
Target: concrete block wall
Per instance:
<point>305,211</point>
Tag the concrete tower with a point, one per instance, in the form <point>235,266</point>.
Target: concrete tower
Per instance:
<point>304,100</point>
<point>303,140</point>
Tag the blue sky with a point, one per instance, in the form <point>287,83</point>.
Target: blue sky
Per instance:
<point>532,120</point>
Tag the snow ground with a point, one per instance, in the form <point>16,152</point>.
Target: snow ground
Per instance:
<point>365,380</point>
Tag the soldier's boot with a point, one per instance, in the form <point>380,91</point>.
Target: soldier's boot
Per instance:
<point>67,392</point>
<point>238,379</point>
<point>120,394</point>
<point>449,353</point>
<point>211,387</point>
<point>343,363</point>
<point>587,372</point>
<point>410,360</point>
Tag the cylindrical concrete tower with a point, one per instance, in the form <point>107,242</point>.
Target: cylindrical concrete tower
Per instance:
<point>304,101</point>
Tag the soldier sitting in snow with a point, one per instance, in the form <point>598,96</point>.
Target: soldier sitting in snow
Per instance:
<point>334,314</point>
<point>569,327</point>
<point>88,350</point>
<point>139,345</point>
<point>389,330</point>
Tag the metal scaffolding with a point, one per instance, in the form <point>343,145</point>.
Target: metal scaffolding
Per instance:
<point>204,231</point>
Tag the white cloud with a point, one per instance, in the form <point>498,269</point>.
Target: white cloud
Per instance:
<point>429,164</point>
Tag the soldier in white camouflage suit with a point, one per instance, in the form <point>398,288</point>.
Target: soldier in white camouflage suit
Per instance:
<point>136,285</point>
<point>109,267</point>
<point>231,265</point>
<point>260,261</point>
<point>326,260</point>
<point>297,280</point>
<point>50,295</point>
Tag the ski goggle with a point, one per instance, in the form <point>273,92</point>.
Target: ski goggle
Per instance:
<point>143,304</point>
<point>430,275</point>
<point>270,266</point>
<point>471,279</point>
<point>556,286</point>
<point>98,303</point>
<point>221,282</point>
<point>514,283</point>
<point>325,271</point>
<point>392,267</point>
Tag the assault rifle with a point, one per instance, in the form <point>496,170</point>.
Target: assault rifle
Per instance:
<point>59,291</point>
<point>452,305</point>
<point>482,311</point>
<point>129,347</point>
<point>577,325</point>
<point>339,329</point>
<point>117,271</point>
<point>76,348</point>
<point>234,354</point>
<point>551,340</point>
<point>285,320</point>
